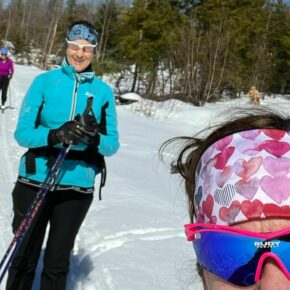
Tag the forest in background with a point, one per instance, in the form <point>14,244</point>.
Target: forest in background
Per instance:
<point>195,51</point>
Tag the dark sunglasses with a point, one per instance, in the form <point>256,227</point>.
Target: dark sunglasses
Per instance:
<point>236,255</point>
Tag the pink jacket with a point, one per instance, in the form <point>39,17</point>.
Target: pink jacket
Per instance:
<point>6,67</point>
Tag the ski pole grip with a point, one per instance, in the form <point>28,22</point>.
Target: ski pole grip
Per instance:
<point>87,110</point>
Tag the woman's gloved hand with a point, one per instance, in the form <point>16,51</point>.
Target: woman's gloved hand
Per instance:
<point>65,134</point>
<point>89,129</point>
<point>73,132</point>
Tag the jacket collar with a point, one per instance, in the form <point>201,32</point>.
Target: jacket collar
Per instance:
<point>86,75</point>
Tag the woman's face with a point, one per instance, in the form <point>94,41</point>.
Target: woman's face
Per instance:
<point>272,278</point>
<point>79,59</point>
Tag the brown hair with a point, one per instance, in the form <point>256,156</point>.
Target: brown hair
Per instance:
<point>194,147</point>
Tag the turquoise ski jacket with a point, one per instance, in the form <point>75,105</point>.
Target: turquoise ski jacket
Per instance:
<point>54,98</point>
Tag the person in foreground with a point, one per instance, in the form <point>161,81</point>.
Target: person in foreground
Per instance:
<point>50,119</point>
<point>6,73</point>
<point>237,182</point>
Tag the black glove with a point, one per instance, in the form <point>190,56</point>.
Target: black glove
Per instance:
<point>72,132</point>
<point>65,134</point>
<point>89,130</point>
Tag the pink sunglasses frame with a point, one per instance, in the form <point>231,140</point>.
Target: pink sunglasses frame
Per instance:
<point>192,229</point>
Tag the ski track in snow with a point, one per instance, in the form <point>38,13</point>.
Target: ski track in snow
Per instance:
<point>119,239</point>
<point>7,168</point>
<point>134,239</point>
<point>9,158</point>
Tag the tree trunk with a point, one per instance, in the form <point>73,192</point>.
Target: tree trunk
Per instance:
<point>135,77</point>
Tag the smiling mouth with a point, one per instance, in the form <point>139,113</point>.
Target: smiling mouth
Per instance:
<point>78,60</point>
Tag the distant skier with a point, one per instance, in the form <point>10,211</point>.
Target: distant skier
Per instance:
<point>6,73</point>
<point>50,119</point>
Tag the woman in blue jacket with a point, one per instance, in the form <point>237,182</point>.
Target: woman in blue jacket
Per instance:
<point>48,120</point>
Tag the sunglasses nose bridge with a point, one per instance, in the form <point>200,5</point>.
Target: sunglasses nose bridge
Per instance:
<point>83,48</point>
<point>264,260</point>
<point>80,49</point>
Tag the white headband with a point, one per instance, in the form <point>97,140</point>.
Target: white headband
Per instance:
<point>244,176</point>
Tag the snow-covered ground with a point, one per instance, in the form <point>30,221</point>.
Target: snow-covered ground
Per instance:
<point>134,238</point>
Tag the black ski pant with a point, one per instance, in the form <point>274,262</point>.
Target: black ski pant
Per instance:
<point>65,212</point>
<point>4,83</point>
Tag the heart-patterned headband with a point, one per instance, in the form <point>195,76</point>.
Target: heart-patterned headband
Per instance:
<point>244,176</point>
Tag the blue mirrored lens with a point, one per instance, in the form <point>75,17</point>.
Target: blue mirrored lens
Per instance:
<point>234,257</point>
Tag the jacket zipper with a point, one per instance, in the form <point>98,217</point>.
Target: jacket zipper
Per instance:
<point>74,100</point>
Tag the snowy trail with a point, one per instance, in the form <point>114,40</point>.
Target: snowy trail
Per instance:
<point>9,158</point>
<point>134,238</point>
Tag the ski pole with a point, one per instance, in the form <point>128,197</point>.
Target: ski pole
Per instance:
<point>36,204</point>
<point>10,98</point>
<point>32,211</point>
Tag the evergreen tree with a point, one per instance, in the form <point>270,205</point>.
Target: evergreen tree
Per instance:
<point>146,32</point>
<point>280,48</point>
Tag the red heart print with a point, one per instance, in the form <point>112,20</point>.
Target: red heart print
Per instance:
<point>251,148</point>
<point>252,209</point>
<point>223,143</point>
<point>207,205</point>
<point>229,214</point>
<point>223,176</point>
<point>246,169</point>
<point>274,133</point>
<point>222,158</point>
<point>212,220</point>
<point>275,147</point>
<point>274,210</point>
<point>247,188</point>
